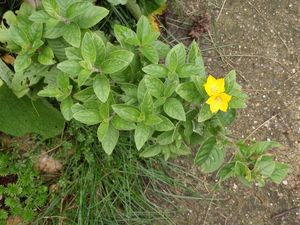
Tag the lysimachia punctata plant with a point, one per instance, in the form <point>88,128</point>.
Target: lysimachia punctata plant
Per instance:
<point>160,94</point>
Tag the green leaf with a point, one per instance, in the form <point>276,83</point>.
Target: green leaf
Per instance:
<point>117,2</point>
<point>226,118</point>
<point>121,124</point>
<point>155,86</point>
<point>265,166</point>
<point>88,50</point>
<point>51,7</point>
<point>176,57</point>
<point>72,34</point>
<point>77,9</point>
<point>71,67</point>
<point>174,109</point>
<point>116,61</point>
<point>22,62</point>
<point>65,108</point>
<point>179,150</point>
<point>109,139</point>
<point>151,151</point>
<point>141,135</point>
<point>170,88</point>
<point>35,32</point>
<point>147,104</point>
<point>127,112</point>
<point>280,172</point>
<point>91,17</point>
<point>166,138</point>
<point>199,84</point>
<point>10,18</point>
<point>162,48</point>
<point>20,116</point>
<point>205,113</point>
<point>151,39</point>
<point>53,29</point>
<point>195,56</point>
<point>46,56</point>
<point>104,110</point>
<point>194,52</point>
<point>58,48</point>
<point>164,125</point>
<point>143,29</point>
<point>102,130</point>
<point>150,53</point>
<point>239,98</point>
<point>125,35</point>
<point>230,80</point>
<point>189,92</point>
<point>101,87</point>
<point>100,48</point>
<point>152,120</point>
<point>83,77</point>
<point>189,70</point>
<point>73,53</point>
<point>172,61</point>
<point>156,70</point>
<point>261,147</point>
<point>226,171</point>
<point>39,16</point>
<point>210,156</point>
<point>19,37</point>
<point>85,95</point>
<point>85,115</point>
<point>242,172</point>
<point>1,82</point>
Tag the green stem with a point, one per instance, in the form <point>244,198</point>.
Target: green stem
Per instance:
<point>134,9</point>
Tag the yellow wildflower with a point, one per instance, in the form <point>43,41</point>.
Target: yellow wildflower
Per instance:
<point>214,86</point>
<point>219,102</point>
<point>218,99</point>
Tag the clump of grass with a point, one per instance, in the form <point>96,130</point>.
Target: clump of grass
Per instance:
<point>119,189</point>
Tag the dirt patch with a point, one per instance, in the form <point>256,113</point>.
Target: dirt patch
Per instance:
<point>261,40</point>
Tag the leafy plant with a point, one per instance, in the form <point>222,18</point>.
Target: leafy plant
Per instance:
<point>22,193</point>
<point>138,85</point>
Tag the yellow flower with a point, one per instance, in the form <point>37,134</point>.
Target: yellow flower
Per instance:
<point>219,102</point>
<point>214,86</point>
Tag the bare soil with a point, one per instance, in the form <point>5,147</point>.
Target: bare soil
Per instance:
<point>261,41</point>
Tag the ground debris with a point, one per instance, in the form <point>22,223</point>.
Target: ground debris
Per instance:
<point>14,220</point>
<point>47,164</point>
<point>200,25</point>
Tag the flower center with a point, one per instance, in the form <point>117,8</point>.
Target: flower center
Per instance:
<point>219,99</point>
<point>214,89</point>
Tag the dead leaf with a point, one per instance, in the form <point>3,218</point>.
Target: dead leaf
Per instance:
<point>14,220</point>
<point>47,164</point>
<point>8,59</point>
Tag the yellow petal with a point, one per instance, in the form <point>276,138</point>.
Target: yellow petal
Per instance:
<point>219,102</point>
<point>214,86</point>
<point>225,100</point>
<point>214,108</point>
<point>221,85</point>
<point>210,100</point>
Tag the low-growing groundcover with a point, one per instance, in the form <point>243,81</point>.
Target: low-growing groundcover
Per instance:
<point>157,96</point>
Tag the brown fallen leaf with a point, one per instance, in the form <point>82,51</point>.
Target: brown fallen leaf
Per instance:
<point>47,164</point>
<point>14,220</point>
<point>8,59</point>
